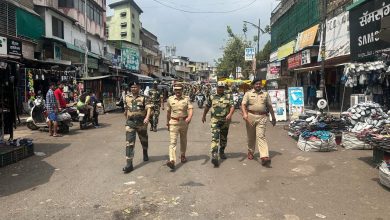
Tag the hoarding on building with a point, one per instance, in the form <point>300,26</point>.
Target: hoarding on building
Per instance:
<point>294,61</point>
<point>273,71</point>
<point>337,36</point>
<point>130,58</point>
<point>365,25</point>
<point>286,50</point>
<point>14,47</point>
<point>307,38</point>
<point>3,45</point>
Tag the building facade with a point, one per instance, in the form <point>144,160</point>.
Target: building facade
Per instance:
<point>151,55</point>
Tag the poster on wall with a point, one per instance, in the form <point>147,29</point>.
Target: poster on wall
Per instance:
<point>278,99</point>
<point>130,58</point>
<point>273,71</point>
<point>3,45</point>
<point>365,25</point>
<point>296,102</point>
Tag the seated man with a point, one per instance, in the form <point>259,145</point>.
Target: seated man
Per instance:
<point>84,103</point>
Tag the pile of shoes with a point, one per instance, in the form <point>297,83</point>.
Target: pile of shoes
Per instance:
<point>365,74</point>
<point>366,116</point>
<point>379,141</point>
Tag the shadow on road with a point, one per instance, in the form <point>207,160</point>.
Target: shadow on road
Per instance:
<point>380,184</point>
<point>367,160</point>
<point>206,159</point>
<point>29,173</point>
<point>151,160</point>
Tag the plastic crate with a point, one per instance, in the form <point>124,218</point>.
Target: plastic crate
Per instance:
<point>9,155</point>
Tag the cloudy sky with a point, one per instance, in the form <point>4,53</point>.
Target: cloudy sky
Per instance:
<point>201,36</point>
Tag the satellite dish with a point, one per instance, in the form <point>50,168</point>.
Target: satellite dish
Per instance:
<point>322,103</point>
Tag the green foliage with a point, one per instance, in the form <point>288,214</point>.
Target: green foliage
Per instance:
<point>264,54</point>
<point>233,56</point>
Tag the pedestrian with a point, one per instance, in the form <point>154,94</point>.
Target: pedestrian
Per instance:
<point>59,95</point>
<point>156,98</point>
<point>222,109</point>
<point>137,114</point>
<point>256,105</point>
<point>52,110</point>
<point>179,115</point>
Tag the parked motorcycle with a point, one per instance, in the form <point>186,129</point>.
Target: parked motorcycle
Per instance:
<point>237,99</point>
<point>200,98</point>
<point>38,118</point>
<point>85,119</point>
<point>73,113</point>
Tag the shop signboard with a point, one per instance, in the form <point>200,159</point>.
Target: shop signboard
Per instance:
<point>295,101</point>
<point>273,71</point>
<point>278,100</point>
<point>306,59</point>
<point>365,25</point>
<point>286,50</point>
<point>14,47</point>
<point>130,58</point>
<point>307,38</point>
<point>294,61</point>
<point>337,36</point>
<point>273,56</point>
<point>3,45</point>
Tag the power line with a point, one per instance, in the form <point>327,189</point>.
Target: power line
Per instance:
<point>204,12</point>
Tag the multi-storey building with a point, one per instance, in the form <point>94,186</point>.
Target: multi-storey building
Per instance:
<point>65,37</point>
<point>151,55</point>
<point>181,66</point>
<point>123,31</point>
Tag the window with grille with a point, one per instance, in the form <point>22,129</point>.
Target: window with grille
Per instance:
<point>123,25</point>
<point>66,3</point>
<point>132,35</point>
<point>89,44</point>
<point>123,34</point>
<point>123,14</point>
<point>57,27</point>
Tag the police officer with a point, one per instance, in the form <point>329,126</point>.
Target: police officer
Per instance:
<point>137,113</point>
<point>179,115</point>
<point>156,98</point>
<point>255,107</point>
<point>222,109</point>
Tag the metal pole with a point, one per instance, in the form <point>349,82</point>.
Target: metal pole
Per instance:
<point>323,32</point>
<point>86,41</point>
<point>258,38</point>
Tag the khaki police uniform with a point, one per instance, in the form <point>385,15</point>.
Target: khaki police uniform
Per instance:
<point>136,109</point>
<point>177,126</point>
<point>220,107</point>
<point>257,103</point>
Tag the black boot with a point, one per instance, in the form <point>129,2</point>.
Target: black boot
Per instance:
<point>222,154</point>
<point>129,167</point>
<point>146,157</point>
<point>214,158</point>
<point>155,128</point>
<point>151,127</point>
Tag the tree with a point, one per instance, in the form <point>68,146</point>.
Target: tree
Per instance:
<point>233,56</point>
<point>264,54</point>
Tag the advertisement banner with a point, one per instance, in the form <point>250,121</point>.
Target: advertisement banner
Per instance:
<point>307,37</point>
<point>306,59</point>
<point>278,99</point>
<point>249,54</point>
<point>286,50</point>
<point>365,25</point>
<point>337,36</point>
<point>294,61</point>
<point>3,45</point>
<point>130,58</point>
<point>296,102</point>
<point>273,71</point>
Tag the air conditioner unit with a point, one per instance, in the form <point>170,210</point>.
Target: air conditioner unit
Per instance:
<point>359,98</point>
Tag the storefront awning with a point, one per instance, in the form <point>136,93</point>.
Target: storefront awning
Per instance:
<point>286,50</point>
<point>307,38</point>
<point>78,49</point>
<point>95,77</point>
<point>142,77</point>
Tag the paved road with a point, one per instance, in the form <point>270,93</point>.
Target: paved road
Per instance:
<point>80,178</point>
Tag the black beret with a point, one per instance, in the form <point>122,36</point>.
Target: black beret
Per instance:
<point>255,80</point>
<point>135,83</point>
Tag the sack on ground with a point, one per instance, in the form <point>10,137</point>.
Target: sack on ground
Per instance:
<point>384,174</point>
<point>351,142</point>
<point>317,145</point>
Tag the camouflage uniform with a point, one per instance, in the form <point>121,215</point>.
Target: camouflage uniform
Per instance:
<point>155,97</point>
<point>136,108</point>
<point>220,108</point>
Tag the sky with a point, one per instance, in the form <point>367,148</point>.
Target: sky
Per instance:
<point>201,36</point>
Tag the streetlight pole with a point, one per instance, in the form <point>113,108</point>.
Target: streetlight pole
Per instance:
<point>258,33</point>
<point>86,41</point>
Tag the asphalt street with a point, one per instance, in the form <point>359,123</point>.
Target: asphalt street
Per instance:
<point>79,176</point>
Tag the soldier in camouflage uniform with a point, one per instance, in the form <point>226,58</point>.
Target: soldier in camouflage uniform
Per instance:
<point>156,98</point>
<point>222,109</point>
<point>137,113</point>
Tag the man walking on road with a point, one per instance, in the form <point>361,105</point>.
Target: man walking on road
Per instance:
<point>52,109</point>
<point>179,115</point>
<point>137,113</point>
<point>255,107</point>
<point>156,98</point>
<point>222,109</point>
